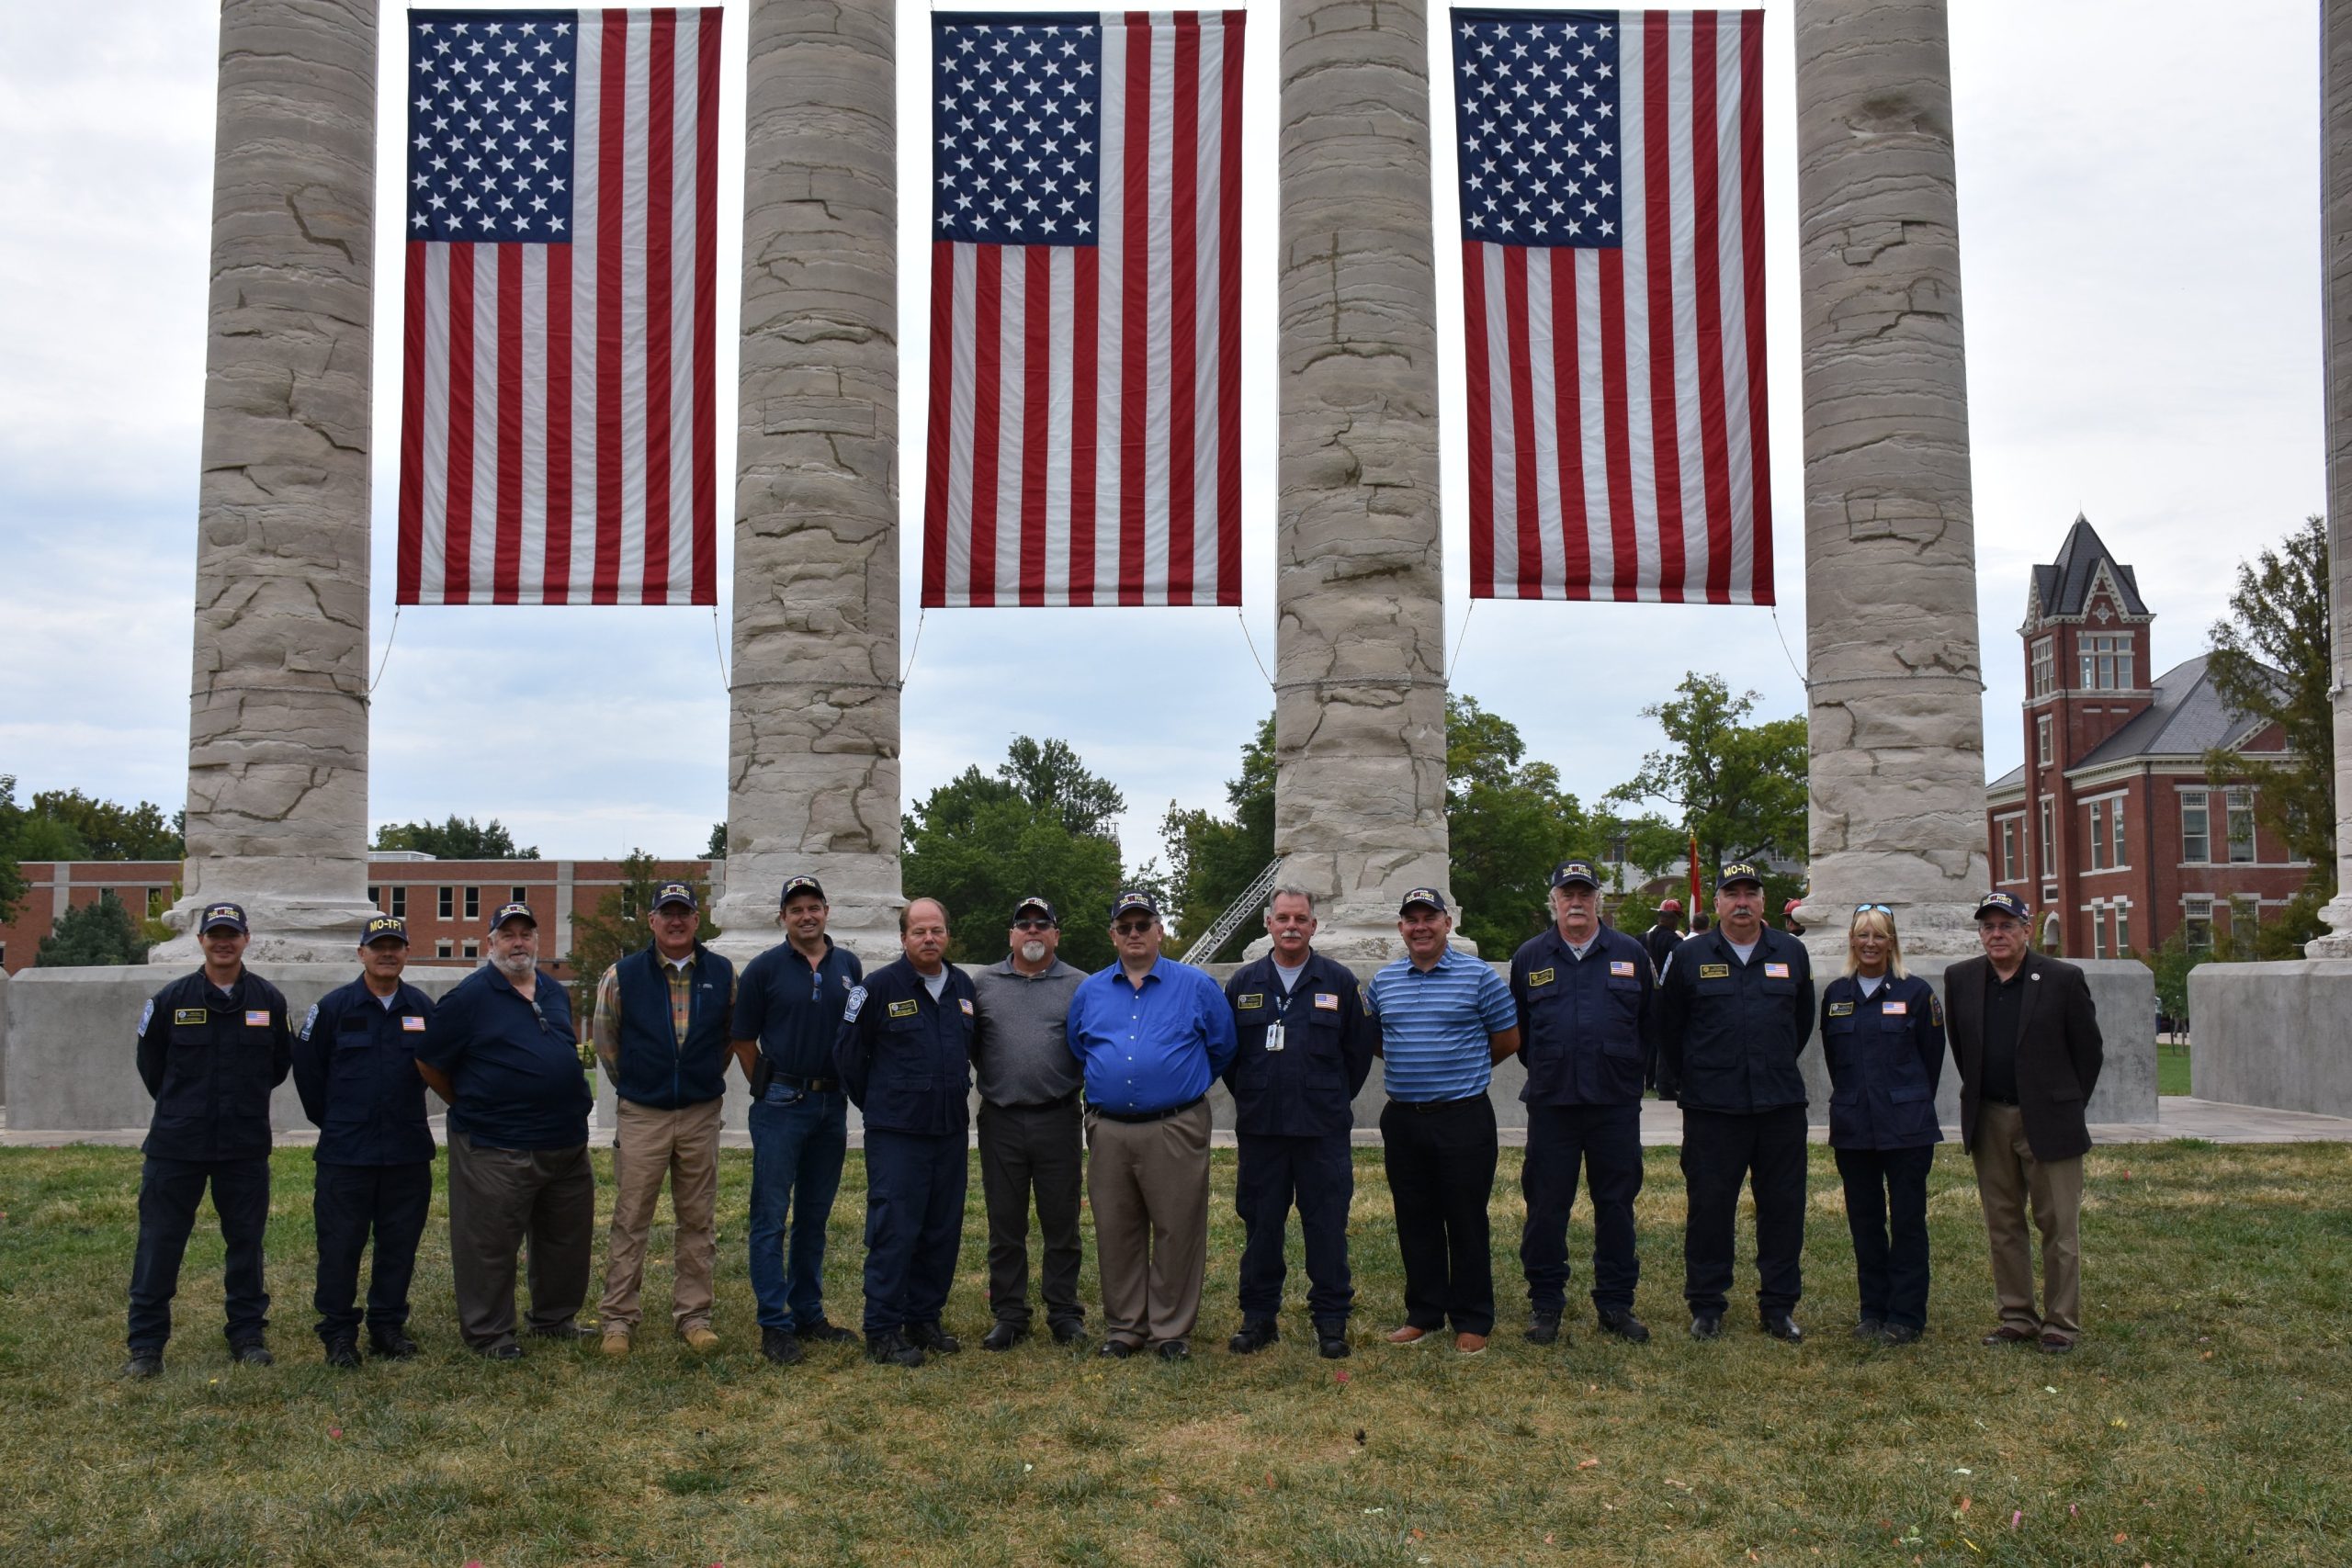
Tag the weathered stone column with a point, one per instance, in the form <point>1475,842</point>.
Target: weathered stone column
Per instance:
<point>2335,199</point>
<point>277,733</point>
<point>1360,658</point>
<point>813,736</point>
<point>1895,682</point>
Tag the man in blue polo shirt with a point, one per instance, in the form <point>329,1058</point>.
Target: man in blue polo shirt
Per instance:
<point>787,1014</point>
<point>501,1052</point>
<point>1152,1033</point>
<point>1445,1019</point>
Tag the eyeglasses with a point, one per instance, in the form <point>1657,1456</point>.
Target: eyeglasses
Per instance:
<point>1033,925</point>
<point>1131,928</point>
<point>1872,910</point>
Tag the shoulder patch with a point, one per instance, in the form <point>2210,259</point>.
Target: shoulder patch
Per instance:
<point>191,1015</point>
<point>1841,1010</point>
<point>1715,971</point>
<point>1250,999</point>
<point>907,1009</point>
<point>856,1000</point>
<point>1539,977</point>
<point>311,1017</point>
<point>1935,1009</point>
<point>146,1016</point>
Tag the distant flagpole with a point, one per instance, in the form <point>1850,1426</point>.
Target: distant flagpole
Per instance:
<point>1694,882</point>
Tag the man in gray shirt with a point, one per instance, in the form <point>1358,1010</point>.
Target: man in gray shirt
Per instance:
<point>1032,1127</point>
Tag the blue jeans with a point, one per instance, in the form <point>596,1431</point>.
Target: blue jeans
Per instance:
<point>797,1142</point>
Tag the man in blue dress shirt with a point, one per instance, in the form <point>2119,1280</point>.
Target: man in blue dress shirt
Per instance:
<point>1151,1033</point>
<point>1445,1019</point>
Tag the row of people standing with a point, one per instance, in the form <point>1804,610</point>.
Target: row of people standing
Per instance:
<point>1293,1035</point>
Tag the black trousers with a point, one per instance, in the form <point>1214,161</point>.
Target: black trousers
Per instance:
<point>1721,1151</point>
<point>1318,1174</point>
<point>1605,1142</point>
<point>1039,1150</point>
<point>507,1200</point>
<point>348,1202</point>
<point>1886,1208</point>
<point>1440,1163</point>
<point>169,1191</point>
<point>914,1224</point>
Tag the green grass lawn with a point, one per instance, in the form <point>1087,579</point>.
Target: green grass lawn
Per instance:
<point>2172,1069</point>
<point>2203,1417</point>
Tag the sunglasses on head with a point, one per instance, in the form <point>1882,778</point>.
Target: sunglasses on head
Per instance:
<point>1874,910</point>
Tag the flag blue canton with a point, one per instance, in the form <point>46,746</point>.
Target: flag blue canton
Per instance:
<point>1535,109</point>
<point>490,124</point>
<point>1017,105</point>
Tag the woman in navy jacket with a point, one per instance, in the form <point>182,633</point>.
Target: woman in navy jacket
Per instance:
<point>1883,1031</point>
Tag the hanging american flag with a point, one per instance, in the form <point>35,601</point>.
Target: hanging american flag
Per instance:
<point>1613,279</point>
<point>1085,302</point>
<point>558,410</point>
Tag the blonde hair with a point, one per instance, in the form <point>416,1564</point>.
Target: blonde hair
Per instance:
<point>1882,923</point>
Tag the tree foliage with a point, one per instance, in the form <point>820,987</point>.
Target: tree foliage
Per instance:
<point>1042,827</point>
<point>1509,823</point>
<point>618,927</point>
<point>100,933</point>
<point>12,878</point>
<point>1740,786</point>
<point>2271,659</point>
<point>716,848</point>
<point>460,838</point>
<point>1212,860</point>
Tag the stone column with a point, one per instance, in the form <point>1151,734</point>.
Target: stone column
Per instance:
<point>813,732</point>
<point>277,734</point>
<point>1895,682</point>
<point>1360,659</point>
<point>2335,201</point>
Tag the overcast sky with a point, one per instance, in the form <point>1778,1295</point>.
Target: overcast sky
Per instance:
<point>2140,244</point>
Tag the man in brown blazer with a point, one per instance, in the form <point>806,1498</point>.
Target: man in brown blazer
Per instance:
<point>2025,1035</point>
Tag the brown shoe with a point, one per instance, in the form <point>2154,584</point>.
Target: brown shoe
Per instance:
<point>1470,1344</point>
<point>700,1339</point>
<point>1408,1335</point>
<point>616,1342</point>
<point>2005,1335</point>
<point>2055,1344</point>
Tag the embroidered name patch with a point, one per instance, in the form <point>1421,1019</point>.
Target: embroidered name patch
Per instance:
<point>257,1017</point>
<point>1250,999</point>
<point>1896,1009</point>
<point>1621,968</point>
<point>1776,971</point>
<point>1841,1010</point>
<point>904,1009</point>
<point>1539,977</point>
<point>189,1015</point>
<point>1715,971</point>
<point>412,1024</point>
<point>1327,1000</point>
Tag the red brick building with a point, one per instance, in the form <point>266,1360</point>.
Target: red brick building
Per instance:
<point>2109,823</point>
<point>447,904</point>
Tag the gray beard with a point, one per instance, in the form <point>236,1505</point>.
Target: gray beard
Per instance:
<point>1033,953</point>
<point>515,969</point>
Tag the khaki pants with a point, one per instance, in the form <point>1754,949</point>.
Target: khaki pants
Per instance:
<point>502,1199</point>
<point>2008,1177</point>
<point>1148,1182</point>
<point>683,1145</point>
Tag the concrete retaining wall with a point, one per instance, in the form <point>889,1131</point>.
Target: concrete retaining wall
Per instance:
<point>2273,1034</point>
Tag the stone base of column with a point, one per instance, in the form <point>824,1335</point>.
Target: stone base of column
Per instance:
<point>1941,932</point>
<point>862,891</point>
<point>288,928</point>
<point>2273,1034</point>
<point>2336,940</point>
<point>1356,932</point>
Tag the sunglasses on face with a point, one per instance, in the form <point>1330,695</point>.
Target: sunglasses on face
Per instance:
<point>1131,928</point>
<point>1033,925</point>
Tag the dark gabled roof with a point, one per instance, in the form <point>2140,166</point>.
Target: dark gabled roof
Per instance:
<point>2188,719</point>
<point>2063,587</point>
<point>2012,779</point>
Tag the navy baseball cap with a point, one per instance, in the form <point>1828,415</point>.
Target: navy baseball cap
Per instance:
<point>1135,898</point>
<point>1736,871</point>
<point>1574,873</point>
<point>676,893</point>
<point>798,885</point>
<point>2003,904</point>
<point>1043,908</point>
<point>216,915</point>
<point>1429,895</point>
<point>382,927</point>
<point>506,912</point>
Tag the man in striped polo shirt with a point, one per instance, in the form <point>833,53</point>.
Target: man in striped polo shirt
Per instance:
<point>1445,1019</point>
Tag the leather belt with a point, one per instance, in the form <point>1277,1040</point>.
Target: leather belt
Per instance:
<point>807,1086</point>
<point>1429,1106</point>
<point>1140,1116</point>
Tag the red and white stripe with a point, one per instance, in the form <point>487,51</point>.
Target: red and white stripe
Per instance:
<point>1617,431</point>
<point>559,410</point>
<point>1086,402</point>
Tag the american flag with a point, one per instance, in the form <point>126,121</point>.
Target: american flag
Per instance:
<point>1612,281</point>
<point>558,410</point>
<point>1085,302</point>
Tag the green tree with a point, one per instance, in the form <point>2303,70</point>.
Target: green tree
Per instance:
<point>460,838</point>
<point>106,831</point>
<point>12,876</point>
<point>102,932</point>
<point>2271,659</point>
<point>1212,860</point>
<point>1739,786</point>
<point>1508,822</point>
<point>1041,826</point>
<point>618,927</point>
<point>716,848</point>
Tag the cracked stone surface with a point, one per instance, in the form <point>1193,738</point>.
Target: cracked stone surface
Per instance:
<point>277,733</point>
<point>1897,812</point>
<point>813,729</point>
<point>1360,685</point>
<point>2336,198</point>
